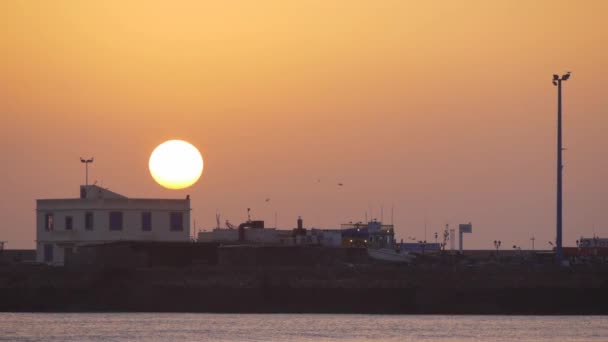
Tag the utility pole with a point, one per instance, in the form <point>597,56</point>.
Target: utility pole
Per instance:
<point>557,81</point>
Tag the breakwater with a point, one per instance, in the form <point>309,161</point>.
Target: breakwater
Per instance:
<point>348,288</point>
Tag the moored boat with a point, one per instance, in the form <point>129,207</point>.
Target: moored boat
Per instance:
<point>390,255</point>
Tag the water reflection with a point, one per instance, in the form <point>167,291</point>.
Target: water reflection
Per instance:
<point>152,327</point>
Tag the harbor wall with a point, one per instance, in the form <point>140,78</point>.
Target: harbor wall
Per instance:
<point>261,256</point>
<point>137,254</point>
<point>280,289</point>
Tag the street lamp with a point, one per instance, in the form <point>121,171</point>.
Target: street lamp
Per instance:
<point>497,246</point>
<point>422,245</point>
<point>557,81</point>
<point>86,162</point>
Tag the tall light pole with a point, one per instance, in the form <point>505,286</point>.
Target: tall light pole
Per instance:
<point>497,246</point>
<point>86,163</point>
<point>557,81</point>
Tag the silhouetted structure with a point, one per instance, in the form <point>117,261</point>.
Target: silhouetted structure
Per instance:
<point>557,81</point>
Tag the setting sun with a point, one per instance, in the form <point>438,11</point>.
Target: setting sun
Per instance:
<point>176,164</point>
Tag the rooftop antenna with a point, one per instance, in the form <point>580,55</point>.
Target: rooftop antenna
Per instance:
<point>392,214</point>
<point>86,163</point>
<point>532,239</point>
<point>217,219</point>
<point>381,213</point>
<point>452,239</point>
<point>425,228</point>
<point>248,214</point>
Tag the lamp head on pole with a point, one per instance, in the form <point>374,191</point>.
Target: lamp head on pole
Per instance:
<point>557,79</point>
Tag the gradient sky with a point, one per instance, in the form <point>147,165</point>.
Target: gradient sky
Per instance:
<point>443,109</point>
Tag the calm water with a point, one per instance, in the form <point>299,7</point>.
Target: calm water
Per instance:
<point>224,327</point>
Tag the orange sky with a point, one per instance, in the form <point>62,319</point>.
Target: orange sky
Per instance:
<point>444,109</point>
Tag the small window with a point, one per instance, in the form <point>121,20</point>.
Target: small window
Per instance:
<point>88,220</point>
<point>68,223</point>
<point>48,252</point>
<point>49,223</point>
<point>177,221</point>
<point>146,221</point>
<point>115,220</point>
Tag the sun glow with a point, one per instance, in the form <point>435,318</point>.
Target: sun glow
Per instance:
<point>176,164</point>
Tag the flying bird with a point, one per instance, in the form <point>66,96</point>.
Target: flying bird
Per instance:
<point>340,184</point>
<point>268,200</point>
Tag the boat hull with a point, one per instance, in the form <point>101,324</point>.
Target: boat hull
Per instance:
<point>390,255</point>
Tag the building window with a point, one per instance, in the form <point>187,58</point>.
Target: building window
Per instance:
<point>88,220</point>
<point>49,223</point>
<point>48,252</point>
<point>146,221</point>
<point>115,220</point>
<point>68,223</point>
<point>177,221</point>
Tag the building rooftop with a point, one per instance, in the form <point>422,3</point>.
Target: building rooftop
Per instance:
<point>94,192</point>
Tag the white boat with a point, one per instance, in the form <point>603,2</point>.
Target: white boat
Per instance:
<point>390,255</point>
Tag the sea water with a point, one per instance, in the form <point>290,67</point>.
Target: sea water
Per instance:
<point>152,327</point>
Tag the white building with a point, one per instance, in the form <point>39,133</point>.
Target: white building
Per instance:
<point>101,216</point>
<point>219,235</point>
<point>326,237</point>
<point>273,236</point>
<point>263,236</point>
